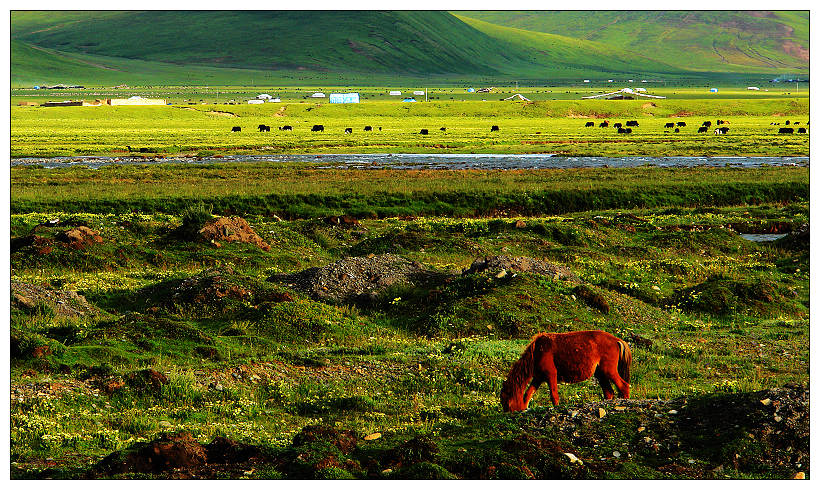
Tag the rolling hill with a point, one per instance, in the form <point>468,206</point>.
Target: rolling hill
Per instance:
<point>240,47</point>
<point>729,41</point>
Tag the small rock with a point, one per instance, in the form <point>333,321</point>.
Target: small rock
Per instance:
<point>799,476</point>
<point>373,436</point>
<point>672,412</point>
<point>617,454</point>
<point>573,458</point>
<point>641,429</point>
<point>501,274</point>
<point>165,424</point>
<point>387,471</point>
<point>656,288</point>
<point>520,224</point>
<point>778,418</point>
<point>766,401</point>
<point>601,413</point>
<point>620,408</point>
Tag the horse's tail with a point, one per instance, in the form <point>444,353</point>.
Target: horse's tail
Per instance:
<point>624,360</point>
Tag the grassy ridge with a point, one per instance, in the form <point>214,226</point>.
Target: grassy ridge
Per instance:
<point>306,192</point>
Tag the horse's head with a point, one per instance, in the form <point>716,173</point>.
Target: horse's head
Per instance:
<point>512,401</point>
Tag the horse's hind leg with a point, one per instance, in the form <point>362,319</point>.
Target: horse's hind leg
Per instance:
<point>605,375</point>
<point>603,380</point>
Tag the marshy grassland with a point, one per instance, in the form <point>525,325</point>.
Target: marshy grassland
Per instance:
<point>174,332</point>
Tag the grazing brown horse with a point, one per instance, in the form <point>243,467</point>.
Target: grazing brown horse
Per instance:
<point>570,358</point>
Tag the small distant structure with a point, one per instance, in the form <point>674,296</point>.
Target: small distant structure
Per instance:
<point>318,95</point>
<point>409,99</point>
<point>470,90</point>
<point>586,81</point>
<point>517,96</point>
<point>136,100</point>
<point>610,80</point>
<point>752,88</point>
<point>485,90</point>
<point>256,101</point>
<point>28,103</point>
<point>623,94</point>
<point>640,89</point>
<point>264,96</point>
<point>36,87</point>
<point>713,90</point>
<point>395,92</point>
<point>418,92</point>
<point>351,98</point>
<point>63,103</point>
<point>275,99</point>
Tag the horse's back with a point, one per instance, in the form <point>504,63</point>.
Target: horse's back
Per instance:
<point>576,355</point>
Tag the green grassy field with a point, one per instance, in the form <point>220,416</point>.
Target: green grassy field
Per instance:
<point>711,318</point>
<point>538,127</point>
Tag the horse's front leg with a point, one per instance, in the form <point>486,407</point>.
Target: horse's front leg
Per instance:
<point>536,382</point>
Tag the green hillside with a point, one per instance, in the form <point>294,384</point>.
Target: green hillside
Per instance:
<point>411,42</point>
<point>376,47</point>
<point>729,41</point>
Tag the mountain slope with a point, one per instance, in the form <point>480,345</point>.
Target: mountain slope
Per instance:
<point>376,47</point>
<point>410,42</point>
<point>702,40</point>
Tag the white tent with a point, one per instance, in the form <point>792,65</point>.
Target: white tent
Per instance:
<point>418,92</point>
<point>517,96</point>
<point>318,95</point>
<point>264,96</point>
<point>623,92</point>
<point>395,92</point>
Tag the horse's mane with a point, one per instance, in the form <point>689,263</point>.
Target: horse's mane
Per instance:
<point>522,370</point>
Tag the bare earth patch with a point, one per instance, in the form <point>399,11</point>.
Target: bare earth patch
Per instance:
<point>233,229</point>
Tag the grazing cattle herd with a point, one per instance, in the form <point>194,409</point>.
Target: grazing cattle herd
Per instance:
<point>704,127</point>
<point>721,128</point>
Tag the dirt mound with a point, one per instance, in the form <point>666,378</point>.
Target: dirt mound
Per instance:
<point>345,221</point>
<point>233,229</point>
<point>321,452</point>
<point>722,296</point>
<point>39,245</point>
<point>79,238</point>
<point>753,431</point>
<point>214,290</point>
<point>345,440</point>
<point>27,297</point>
<point>356,277</point>
<point>181,456</point>
<point>500,263</point>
